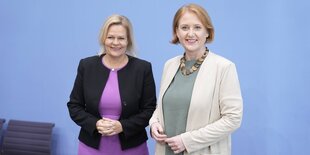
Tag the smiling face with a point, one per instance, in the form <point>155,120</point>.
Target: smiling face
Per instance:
<point>116,41</point>
<point>191,33</point>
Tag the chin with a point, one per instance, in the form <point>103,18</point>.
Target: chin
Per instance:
<point>117,54</point>
<point>191,48</point>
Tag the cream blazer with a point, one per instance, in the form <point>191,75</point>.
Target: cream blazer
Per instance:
<point>215,110</point>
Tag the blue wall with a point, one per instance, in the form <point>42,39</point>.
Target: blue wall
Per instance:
<point>41,43</point>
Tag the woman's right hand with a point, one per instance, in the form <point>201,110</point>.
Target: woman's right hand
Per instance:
<point>104,127</point>
<point>157,133</point>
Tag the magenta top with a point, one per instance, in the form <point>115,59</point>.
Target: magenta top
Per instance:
<point>110,107</point>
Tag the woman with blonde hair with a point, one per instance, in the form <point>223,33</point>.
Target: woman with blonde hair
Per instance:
<point>113,96</point>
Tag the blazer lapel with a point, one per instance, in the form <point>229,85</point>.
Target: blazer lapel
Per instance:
<point>202,90</point>
<point>99,81</point>
<point>170,73</point>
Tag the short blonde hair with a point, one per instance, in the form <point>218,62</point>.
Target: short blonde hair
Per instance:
<point>202,15</point>
<point>117,20</point>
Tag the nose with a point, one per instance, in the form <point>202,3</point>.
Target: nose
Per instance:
<point>191,32</point>
<point>115,41</point>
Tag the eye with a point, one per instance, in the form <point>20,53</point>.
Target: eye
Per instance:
<point>121,38</point>
<point>184,28</point>
<point>110,37</point>
<point>197,27</point>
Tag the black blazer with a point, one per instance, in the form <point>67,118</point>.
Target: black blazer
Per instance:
<point>138,97</point>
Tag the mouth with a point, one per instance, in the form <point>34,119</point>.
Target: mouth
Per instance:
<point>116,48</point>
<point>191,41</point>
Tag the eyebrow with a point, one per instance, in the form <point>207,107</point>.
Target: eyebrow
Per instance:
<point>116,35</point>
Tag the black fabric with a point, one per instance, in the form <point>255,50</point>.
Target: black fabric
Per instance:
<point>138,97</point>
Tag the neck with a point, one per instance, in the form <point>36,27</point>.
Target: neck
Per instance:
<point>115,62</point>
<point>194,55</point>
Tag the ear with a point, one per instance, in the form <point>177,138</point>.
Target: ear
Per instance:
<point>207,35</point>
<point>177,32</point>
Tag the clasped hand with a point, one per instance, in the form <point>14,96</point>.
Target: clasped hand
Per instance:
<point>108,127</point>
<point>175,143</point>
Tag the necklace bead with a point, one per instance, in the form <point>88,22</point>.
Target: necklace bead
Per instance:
<point>195,67</point>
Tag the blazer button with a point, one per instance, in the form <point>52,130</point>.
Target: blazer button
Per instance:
<point>125,103</point>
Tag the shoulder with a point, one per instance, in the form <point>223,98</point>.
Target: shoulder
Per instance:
<point>139,62</point>
<point>90,60</point>
<point>220,61</point>
<point>173,60</point>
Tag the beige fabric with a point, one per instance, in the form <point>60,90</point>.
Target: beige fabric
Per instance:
<point>215,110</point>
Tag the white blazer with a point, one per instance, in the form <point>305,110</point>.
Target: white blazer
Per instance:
<point>215,110</point>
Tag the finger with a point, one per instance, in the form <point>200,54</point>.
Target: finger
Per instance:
<point>100,129</point>
<point>174,148</point>
<point>154,131</point>
<point>160,139</point>
<point>158,134</point>
<point>170,145</point>
<point>107,119</point>
<point>112,133</point>
<point>106,131</point>
<point>107,125</point>
<point>176,152</point>
<point>107,122</point>
<point>169,140</point>
<point>99,122</point>
<point>101,132</point>
<point>159,129</point>
<point>115,125</point>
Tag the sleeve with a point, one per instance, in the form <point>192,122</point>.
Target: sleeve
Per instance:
<point>76,104</point>
<point>155,116</point>
<point>137,123</point>
<point>231,109</point>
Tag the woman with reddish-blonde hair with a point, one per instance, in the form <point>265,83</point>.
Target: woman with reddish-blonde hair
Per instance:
<point>200,102</point>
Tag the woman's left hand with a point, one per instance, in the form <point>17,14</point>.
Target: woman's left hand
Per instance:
<point>176,144</point>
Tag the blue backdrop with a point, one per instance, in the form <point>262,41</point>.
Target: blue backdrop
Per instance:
<point>42,41</point>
